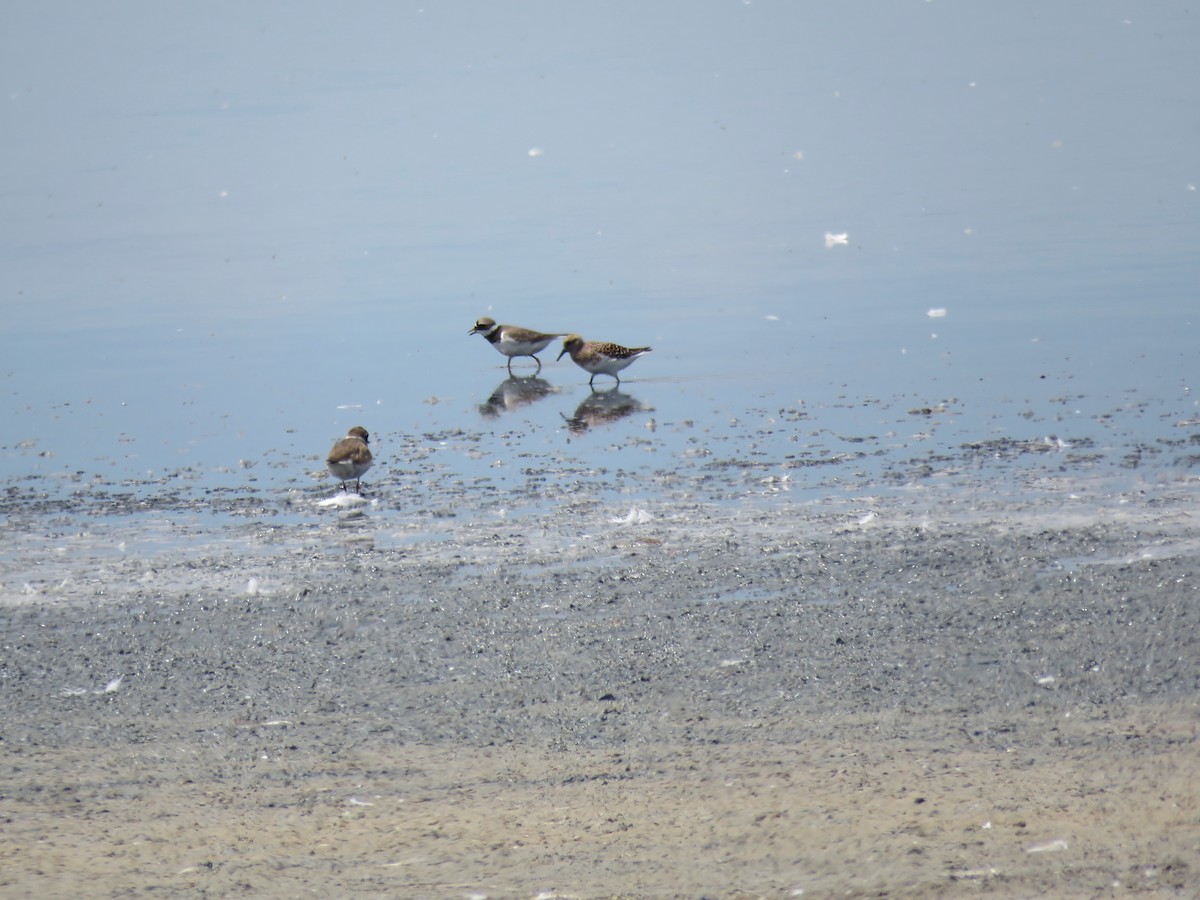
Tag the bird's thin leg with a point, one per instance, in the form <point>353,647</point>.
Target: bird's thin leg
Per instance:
<point>539,368</point>
<point>510,359</point>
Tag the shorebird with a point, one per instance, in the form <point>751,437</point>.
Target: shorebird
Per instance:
<point>350,458</point>
<point>513,340</point>
<point>600,356</point>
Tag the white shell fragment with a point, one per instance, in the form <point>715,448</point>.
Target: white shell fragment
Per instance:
<point>343,500</point>
<point>636,517</point>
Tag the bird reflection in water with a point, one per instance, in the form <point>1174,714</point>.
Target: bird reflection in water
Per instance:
<point>513,393</point>
<point>601,408</point>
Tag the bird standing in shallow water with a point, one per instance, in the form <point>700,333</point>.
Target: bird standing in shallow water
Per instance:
<point>350,458</point>
<point>600,357</point>
<point>513,340</point>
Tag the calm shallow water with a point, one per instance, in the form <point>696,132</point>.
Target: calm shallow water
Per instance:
<point>231,238</point>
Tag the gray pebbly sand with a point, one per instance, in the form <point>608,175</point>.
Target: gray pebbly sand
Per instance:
<point>940,699</point>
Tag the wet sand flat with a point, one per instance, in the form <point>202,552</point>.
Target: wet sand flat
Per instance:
<point>898,708</point>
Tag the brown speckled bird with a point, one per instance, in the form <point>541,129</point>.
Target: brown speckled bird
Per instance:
<point>600,357</point>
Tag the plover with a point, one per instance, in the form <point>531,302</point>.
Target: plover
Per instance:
<point>600,356</point>
<point>350,457</point>
<point>513,340</point>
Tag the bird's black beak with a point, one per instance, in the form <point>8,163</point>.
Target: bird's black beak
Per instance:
<point>560,355</point>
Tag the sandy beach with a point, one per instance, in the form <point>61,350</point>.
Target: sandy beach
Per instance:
<point>787,702</point>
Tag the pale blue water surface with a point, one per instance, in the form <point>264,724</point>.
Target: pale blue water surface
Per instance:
<point>231,231</point>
